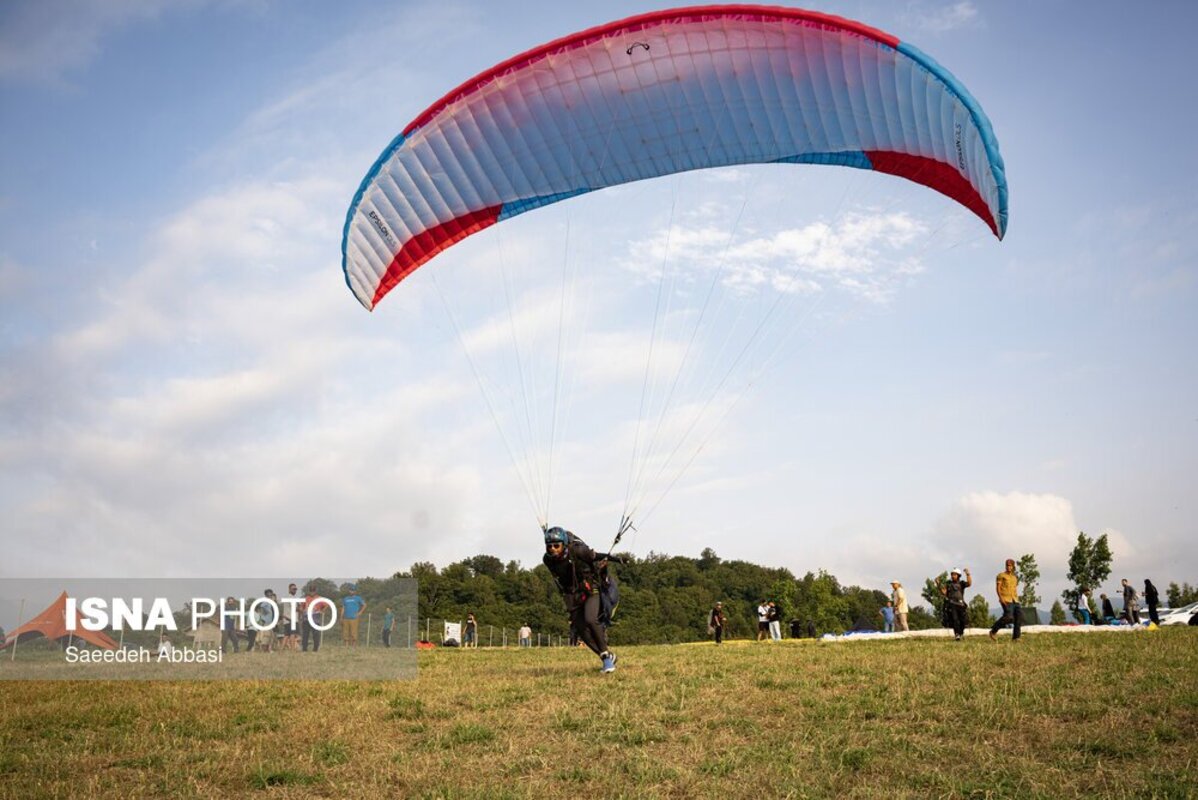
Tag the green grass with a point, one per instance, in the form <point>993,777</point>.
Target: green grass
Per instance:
<point>1112,715</point>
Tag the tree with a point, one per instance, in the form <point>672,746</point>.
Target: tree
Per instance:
<point>1089,566</point>
<point>1028,573</point>
<point>920,620</point>
<point>819,598</point>
<point>931,593</point>
<point>485,565</point>
<point>979,612</point>
<point>1057,615</point>
<point>708,559</point>
<point>1181,595</point>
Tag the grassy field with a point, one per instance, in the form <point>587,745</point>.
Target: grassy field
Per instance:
<point>1053,716</point>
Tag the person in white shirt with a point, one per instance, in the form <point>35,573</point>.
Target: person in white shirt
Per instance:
<point>525,636</point>
<point>763,621</point>
<point>899,597</point>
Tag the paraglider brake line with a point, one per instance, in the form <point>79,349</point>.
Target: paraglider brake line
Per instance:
<point>625,526</point>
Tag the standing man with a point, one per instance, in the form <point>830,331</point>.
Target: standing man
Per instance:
<point>717,622</point>
<point>774,616</point>
<point>228,626</point>
<point>763,621</point>
<point>525,635</point>
<point>352,605</point>
<point>1131,605</point>
<point>314,606</point>
<point>899,598</point>
<point>955,608</point>
<point>1007,587</point>
<point>388,626</point>
<point>471,637</point>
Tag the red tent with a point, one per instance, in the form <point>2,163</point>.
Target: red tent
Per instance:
<point>52,623</point>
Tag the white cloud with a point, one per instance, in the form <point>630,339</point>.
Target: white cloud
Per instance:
<point>943,19</point>
<point>864,254</point>
<point>988,527</point>
<point>42,41</point>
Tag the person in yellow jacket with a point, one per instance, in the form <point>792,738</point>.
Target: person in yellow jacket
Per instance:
<point>1007,586</point>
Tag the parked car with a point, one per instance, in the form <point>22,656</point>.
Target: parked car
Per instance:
<point>1178,616</point>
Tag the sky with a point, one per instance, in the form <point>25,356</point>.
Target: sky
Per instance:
<point>188,388</point>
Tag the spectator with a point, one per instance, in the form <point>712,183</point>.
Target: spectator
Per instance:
<point>267,616</point>
<point>899,598</point>
<point>955,608</point>
<point>763,621</point>
<point>165,646</point>
<point>228,626</point>
<point>1131,604</point>
<point>471,638</point>
<point>313,616</point>
<point>716,622</point>
<point>887,613</point>
<point>388,626</point>
<point>1108,610</point>
<point>352,606</point>
<point>1083,604</point>
<point>525,635</point>
<point>1153,598</point>
<point>811,633</point>
<point>1007,587</point>
<point>774,616</point>
<point>291,619</point>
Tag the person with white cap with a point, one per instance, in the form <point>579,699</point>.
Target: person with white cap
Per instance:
<point>955,609</point>
<point>898,596</point>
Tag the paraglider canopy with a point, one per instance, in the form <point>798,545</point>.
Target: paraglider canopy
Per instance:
<point>661,93</point>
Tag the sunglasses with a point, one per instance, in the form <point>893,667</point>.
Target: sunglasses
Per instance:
<point>554,545</point>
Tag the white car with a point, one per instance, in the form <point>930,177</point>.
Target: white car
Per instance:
<point>1178,616</point>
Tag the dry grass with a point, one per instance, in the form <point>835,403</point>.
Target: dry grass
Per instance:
<point>1054,716</point>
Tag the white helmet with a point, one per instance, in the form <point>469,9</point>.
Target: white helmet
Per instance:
<point>956,571</point>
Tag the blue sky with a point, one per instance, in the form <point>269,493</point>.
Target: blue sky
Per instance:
<point>187,386</point>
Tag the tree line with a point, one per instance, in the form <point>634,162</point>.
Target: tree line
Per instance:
<point>667,599</point>
<point>663,599</point>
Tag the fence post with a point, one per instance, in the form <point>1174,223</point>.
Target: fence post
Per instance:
<point>20,621</point>
<point>490,636</point>
<point>368,618</point>
<point>427,621</point>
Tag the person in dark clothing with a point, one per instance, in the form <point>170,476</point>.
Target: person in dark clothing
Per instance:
<point>1108,610</point>
<point>717,622</point>
<point>955,608</point>
<point>1153,598</point>
<point>228,627</point>
<point>810,629</point>
<point>579,573</point>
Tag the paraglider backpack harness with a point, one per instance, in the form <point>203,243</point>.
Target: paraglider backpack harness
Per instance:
<point>590,578</point>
